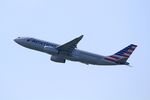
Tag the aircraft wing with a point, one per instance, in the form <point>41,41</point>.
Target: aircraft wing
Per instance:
<point>68,47</point>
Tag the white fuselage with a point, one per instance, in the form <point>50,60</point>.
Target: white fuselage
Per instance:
<point>76,55</point>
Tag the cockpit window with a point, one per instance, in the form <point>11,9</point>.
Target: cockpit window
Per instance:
<point>28,40</point>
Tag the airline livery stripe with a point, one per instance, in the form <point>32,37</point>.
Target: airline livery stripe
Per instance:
<point>125,56</point>
<point>110,59</point>
<point>130,51</point>
<point>115,57</point>
<point>133,47</point>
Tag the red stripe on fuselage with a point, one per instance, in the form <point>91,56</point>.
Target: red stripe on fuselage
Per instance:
<point>109,59</point>
<point>113,56</point>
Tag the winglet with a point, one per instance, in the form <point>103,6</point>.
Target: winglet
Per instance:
<point>81,36</point>
<point>77,39</point>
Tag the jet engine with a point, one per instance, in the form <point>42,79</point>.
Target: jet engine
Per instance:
<point>51,50</point>
<point>58,59</point>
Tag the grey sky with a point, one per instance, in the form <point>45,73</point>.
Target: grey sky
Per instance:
<point>107,26</point>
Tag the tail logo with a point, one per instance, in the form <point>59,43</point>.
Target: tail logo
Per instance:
<point>122,55</point>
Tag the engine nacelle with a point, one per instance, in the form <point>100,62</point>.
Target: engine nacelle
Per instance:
<point>58,59</point>
<point>50,50</point>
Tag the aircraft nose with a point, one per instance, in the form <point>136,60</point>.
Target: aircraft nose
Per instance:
<point>17,40</point>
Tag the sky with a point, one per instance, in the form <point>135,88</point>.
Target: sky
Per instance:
<point>107,26</point>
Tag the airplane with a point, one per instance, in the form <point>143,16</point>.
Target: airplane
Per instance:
<point>69,51</point>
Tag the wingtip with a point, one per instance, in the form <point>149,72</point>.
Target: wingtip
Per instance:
<point>81,36</point>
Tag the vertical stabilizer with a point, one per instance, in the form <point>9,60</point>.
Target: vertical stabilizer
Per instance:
<point>122,56</point>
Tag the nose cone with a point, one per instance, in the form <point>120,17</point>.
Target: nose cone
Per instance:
<point>22,41</point>
<point>16,40</point>
<point>19,40</point>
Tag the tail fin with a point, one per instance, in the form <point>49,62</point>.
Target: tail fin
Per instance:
<point>122,56</point>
